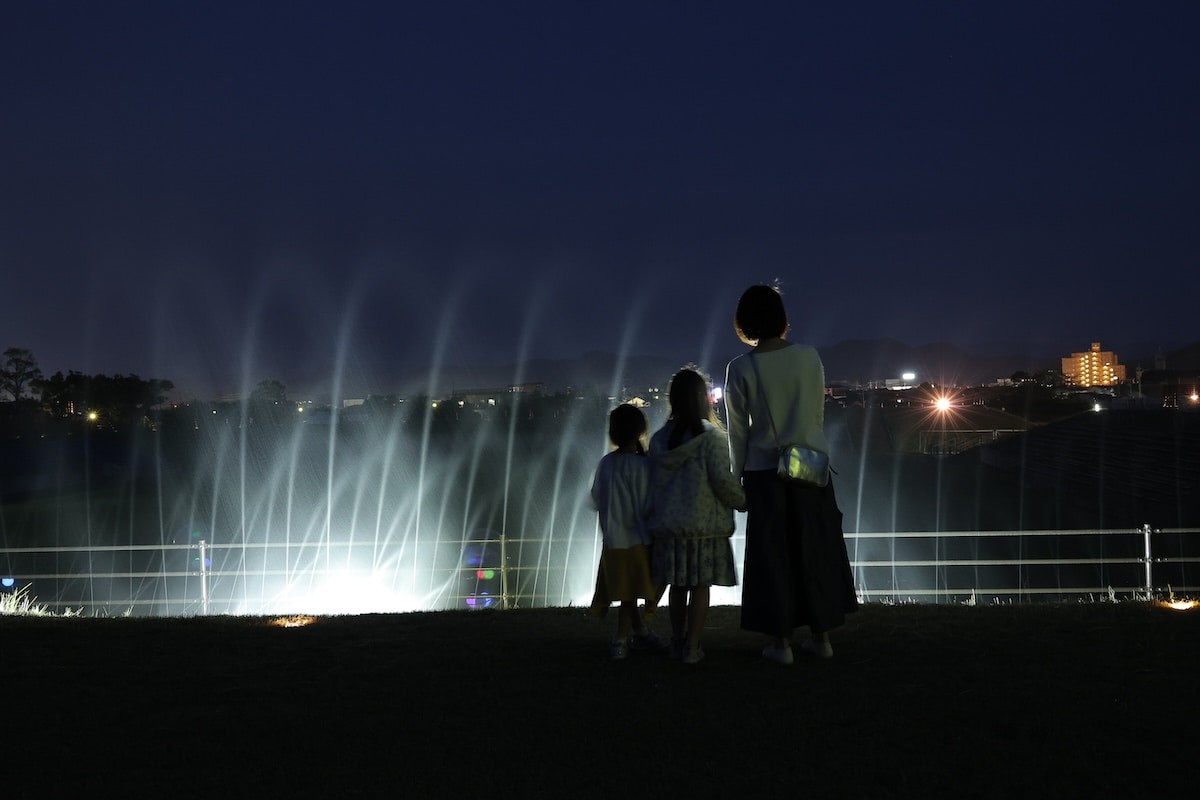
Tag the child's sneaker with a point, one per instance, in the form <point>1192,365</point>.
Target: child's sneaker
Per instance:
<point>780,655</point>
<point>647,640</point>
<point>618,650</point>
<point>821,648</point>
<point>691,656</point>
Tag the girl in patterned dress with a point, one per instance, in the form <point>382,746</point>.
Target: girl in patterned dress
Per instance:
<point>693,497</point>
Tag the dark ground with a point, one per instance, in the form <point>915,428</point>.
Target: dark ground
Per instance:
<point>1082,700</point>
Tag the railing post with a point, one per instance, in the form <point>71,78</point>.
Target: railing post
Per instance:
<point>1147,559</point>
<point>503,571</point>
<point>203,577</point>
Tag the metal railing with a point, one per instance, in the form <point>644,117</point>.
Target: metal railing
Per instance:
<point>1025,565</point>
<point>943,566</point>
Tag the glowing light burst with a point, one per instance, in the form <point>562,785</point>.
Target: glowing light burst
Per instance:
<point>339,594</point>
<point>942,405</point>
<point>294,621</point>
<point>1180,605</point>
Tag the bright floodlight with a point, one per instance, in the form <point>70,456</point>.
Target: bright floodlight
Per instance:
<point>1180,605</point>
<point>346,592</point>
<point>717,394</point>
<point>943,404</point>
<point>909,376</point>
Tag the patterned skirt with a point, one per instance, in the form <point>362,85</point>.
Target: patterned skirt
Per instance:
<point>694,562</point>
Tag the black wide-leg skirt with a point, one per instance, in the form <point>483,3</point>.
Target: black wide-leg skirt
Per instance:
<point>797,571</point>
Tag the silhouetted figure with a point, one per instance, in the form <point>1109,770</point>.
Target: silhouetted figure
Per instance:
<point>694,495</point>
<point>797,571</point>
<point>621,495</point>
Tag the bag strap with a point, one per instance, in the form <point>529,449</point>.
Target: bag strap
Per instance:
<point>766,405</point>
<point>763,393</point>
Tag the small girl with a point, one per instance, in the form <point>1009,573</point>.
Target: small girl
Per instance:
<point>694,495</point>
<point>621,494</point>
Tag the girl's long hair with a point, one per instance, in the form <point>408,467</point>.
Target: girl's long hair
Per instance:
<point>690,406</point>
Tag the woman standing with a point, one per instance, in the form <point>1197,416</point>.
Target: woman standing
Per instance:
<point>796,570</point>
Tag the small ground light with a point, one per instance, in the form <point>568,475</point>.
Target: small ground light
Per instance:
<point>1180,605</point>
<point>297,621</point>
<point>7,583</point>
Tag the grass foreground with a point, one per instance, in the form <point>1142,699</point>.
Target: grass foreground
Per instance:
<point>1073,700</point>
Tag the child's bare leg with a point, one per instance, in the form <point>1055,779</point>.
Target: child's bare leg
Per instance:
<point>697,613</point>
<point>625,617</point>
<point>678,607</point>
<point>639,624</point>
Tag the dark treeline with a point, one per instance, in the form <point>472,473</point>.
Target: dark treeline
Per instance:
<point>63,403</point>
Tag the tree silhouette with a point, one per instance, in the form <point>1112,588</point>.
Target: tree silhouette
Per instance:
<point>117,400</point>
<point>20,370</point>
<point>63,395</point>
<point>269,404</point>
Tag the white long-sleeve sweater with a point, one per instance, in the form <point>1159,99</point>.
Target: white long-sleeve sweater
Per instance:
<point>621,493</point>
<point>792,387</point>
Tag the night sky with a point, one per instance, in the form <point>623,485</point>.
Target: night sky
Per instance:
<point>217,193</point>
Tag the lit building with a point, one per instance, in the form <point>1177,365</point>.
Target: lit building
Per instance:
<point>1093,368</point>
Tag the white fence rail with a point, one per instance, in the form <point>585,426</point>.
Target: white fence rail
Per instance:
<point>1023,566</point>
<point>944,566</point>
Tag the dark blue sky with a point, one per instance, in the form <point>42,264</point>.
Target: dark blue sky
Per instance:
<point>217,193</point>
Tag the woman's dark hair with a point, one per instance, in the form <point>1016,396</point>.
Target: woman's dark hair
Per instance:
<point>760,315</point>
<point>690,406</point>
<point>627,425</point>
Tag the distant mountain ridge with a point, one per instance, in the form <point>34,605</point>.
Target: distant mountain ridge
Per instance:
<point>854,361</point>
<point>863,361</point>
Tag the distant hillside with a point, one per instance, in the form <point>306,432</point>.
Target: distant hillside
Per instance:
<point>858,361</point>
<point>940,363</point>
<point>1185,358</point>
<point>593,372</point>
